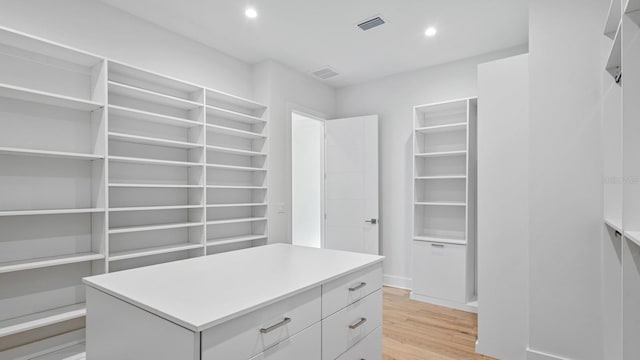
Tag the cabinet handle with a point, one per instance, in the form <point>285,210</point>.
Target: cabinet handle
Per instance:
<point>273,327</point>
<point>357,325</point>
<point>358,287</point>
<point>438,245</point>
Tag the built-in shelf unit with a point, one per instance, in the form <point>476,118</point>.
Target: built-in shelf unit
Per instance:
<point>443,207</point>
<point>621,181</point>
<point>105,167</point>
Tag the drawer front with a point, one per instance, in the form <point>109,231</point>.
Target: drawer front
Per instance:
<point>351,288</point>
<point>369,348</point>
<point>348,326</point>
<point>259,330</point>
<point>439,270</point>
<point>304,345</point>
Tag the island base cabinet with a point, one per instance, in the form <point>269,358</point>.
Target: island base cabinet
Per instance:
<point>118,330</point>
<point>369,348</point>
<point>305,345</point>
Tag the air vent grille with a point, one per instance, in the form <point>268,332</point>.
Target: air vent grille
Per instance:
<point>371,23</point>
<point>324,73</point>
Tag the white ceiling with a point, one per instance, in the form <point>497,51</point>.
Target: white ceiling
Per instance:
<point>308,34</point>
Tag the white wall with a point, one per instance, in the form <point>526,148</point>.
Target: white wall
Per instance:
<point>95,27</point>
<point>307,180</point>
<point>503,210</point>
<point>565,179</point>
<point>285,90</point>
<point>393,99</point>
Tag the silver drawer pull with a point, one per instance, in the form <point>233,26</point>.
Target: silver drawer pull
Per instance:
<point>358,287</point>
<point>357,325</point>
<point>273,327</point>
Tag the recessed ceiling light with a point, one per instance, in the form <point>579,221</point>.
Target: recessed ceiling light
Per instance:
<point>251,13</point>
<point>431,31</point>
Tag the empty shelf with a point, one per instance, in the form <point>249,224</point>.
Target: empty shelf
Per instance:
<point>443,153</point>
<point>234,132</point>
<point>441,177</point>
<point>137,228</point>
<point>131,254</point>
<point>442,128</point>
<point>440,240</point>
<point>11,266</point>
<point>235,151</point>
<point>37,320</point>
<point>233,115</point>
<point>615,224</point>
<point>237,187</point>
<point>50,212</point>
<point>151,117</point>
<point>73,352</point>
<point>143,161</point>
<point>146,140</point>
<point>440,203</point>
<point>41,97</point>
<point>219,96</point>
<point>233,221</point>
<point>233,167</point>
<point>235,205</point>
<point>48,153</point>
<point>155,186</point>
<point>151,96</point>
<point>633,236</point>
<point>151,208</point>
<point>235,240</point>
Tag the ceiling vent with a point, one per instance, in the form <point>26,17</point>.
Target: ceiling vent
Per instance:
<point>371,23</point>
<point>324,73</point>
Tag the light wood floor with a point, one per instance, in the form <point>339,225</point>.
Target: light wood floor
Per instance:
<point>418,331</point>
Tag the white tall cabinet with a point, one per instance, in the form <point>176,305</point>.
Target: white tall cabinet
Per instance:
<point>621,129</point>
<point>444,203</point>
<point>105,167</point>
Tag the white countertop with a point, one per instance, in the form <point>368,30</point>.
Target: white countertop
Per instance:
<point>202,292</point>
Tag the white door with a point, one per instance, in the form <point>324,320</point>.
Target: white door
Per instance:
<point>352,184</point>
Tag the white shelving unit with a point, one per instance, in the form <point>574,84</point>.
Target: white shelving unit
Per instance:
<point>105,167</point>
<point>444,203</point>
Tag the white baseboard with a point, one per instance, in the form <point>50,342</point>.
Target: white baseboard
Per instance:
<point>400,282</point>
<point>446,303</point>
<point>539,355</point>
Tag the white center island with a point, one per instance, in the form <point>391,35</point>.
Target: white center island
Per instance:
<point>274,302</point>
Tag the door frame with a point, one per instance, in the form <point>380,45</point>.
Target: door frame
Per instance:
<point>318,116</point>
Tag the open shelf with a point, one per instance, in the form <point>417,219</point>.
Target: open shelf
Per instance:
<point>235,205</point>
<point>130,229</point>
<point>144,161</point>
<point>441,177</point>
<point>235,240</point>
<point>152,141</point>
<point>67,346</point>
<point>37,320</point>
<point>234,132</point>
<point>152,208</point>
<point>150,80</point>
<point>233,115</point>
<point>233,167</point>
<point>37,263</point>
<point>151,96</point>
<point>442,128</point>
<point>234,221</point>
<point>236,187</point>
<point>436,239</point>
<point>50,212</point>
<point>151,117</point>
<point>42,97</point>
<point>48,153</point>
<point>615,224</point>
<point>439,203</point>
<point>154,186</point>
<point>614,62</point>
<point>633,11</point>
<point>633,236</point>
<point>227,150</point>
<point>131,254</point>
<point>222,97</point>
<point>442,154</point>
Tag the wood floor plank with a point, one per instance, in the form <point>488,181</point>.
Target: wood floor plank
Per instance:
<point>418,331</point>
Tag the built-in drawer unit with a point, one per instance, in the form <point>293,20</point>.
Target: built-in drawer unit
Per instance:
<point>442,268</point>
<point>260,330</point>
<point>349,289</point>
<point>348,326</point>
<point>304,345</point>
<point>369,348</point>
